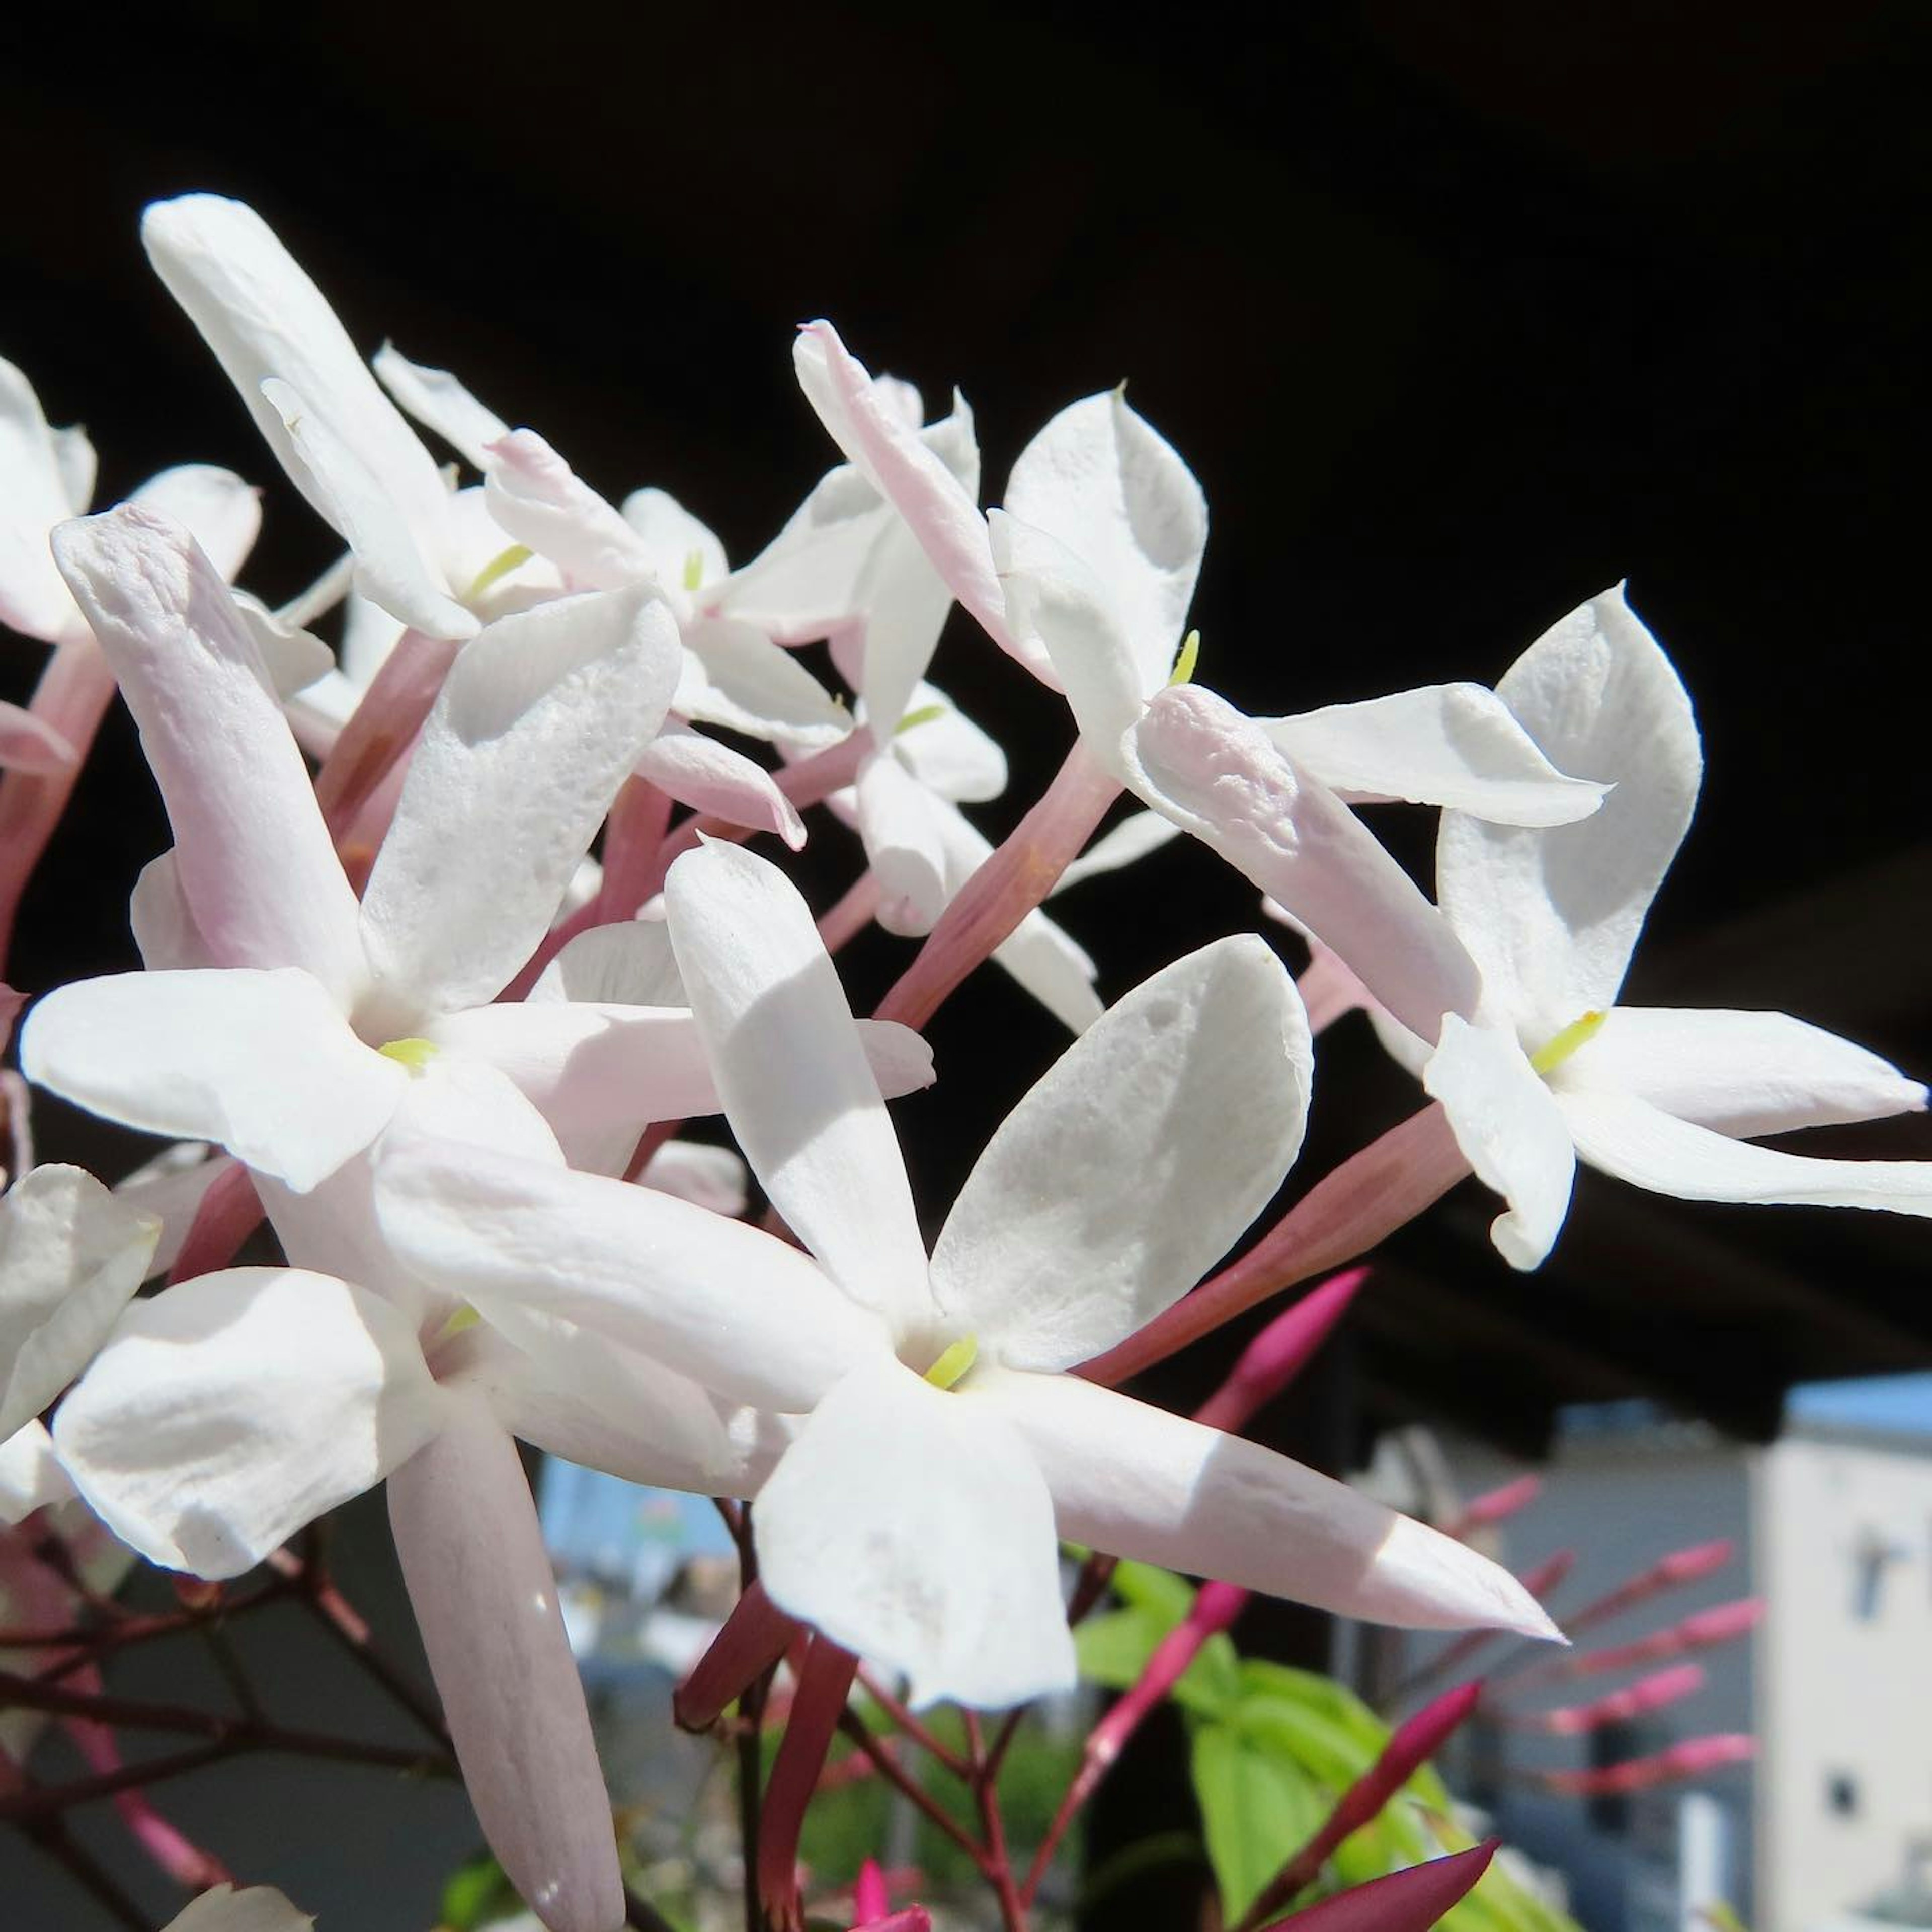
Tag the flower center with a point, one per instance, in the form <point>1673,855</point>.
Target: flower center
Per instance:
<point>953,1362</point>
<point>1554,1052</point>
<point>415,1054</point>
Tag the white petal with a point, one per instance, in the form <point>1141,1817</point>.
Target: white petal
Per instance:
<point>1062,612</point>
<point>1445,744</point>
<point>440,402</point>
<point>1134,1164</point>
<point>1649,1148</point>
<point>712,1177</point>
<point>904,602</point>
<point>260,1908</point>
<point>33,498</point>
<point>1737,1073</point>
<point>230,1410</point>
<point>1137,1482</point>
<point>1137,835</point>
<point>223,514</point>
<point>629,963</point>
<point>948,753</point>
<point>538,725</point>
<point>1552,916</point>
<point>295,659</point>
<point>394,564</point>
<point>163,924</point>
<point>911,1526</point>
<point>1511,1132</point>
<point>736,676</point>
<point>1101,482</point>
<point>682,550</point>
<point>256,862</point>
<point>485,1601</point>
<point>900,822</point>
<point>30,1475</point>
<point>726,1304</point>
<point>699,772</point>
<point>71,1256</point>
<point>171,1187</point>
<point>541,501</point>
<point>261,1064</point>
<point>264,317</point>
<point>1197,759</point>
<point>792,1076</point>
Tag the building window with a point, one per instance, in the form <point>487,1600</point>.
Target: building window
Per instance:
<point>1841,1794</point>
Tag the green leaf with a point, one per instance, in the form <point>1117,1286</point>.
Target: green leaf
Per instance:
<point>1113,1649</point>
<point>1160,1592</point>
<point>1256,1810</point>
<point>476,1893</point>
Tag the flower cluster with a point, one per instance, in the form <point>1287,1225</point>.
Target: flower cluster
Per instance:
<point>390,1003</point>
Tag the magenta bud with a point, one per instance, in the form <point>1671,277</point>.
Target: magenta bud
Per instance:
<point>1405,1901</point>
<point>1280,1352</point>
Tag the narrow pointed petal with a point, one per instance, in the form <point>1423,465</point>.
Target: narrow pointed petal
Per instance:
<point>535,496</point>
<point>263,317</point>
<point>261,1064</point>
<point>794,1079</point>
<point>1147,1147</point>
<point>1740,1073</point>
<point>255,859</point>
<point>393,565</point>
<point>683,550</point>
<point>1455,745</point>
<point>939,511</point>
<point>1642,1145</point>
<point>1197,759</point>
<point>71,1257</point>
<point>229,1411</point>
<point>1101,481</point>
<point>33,497</point>
<point>1135,1481</point>
<point>537,725</point>
<point>440,402</point>
<point>899,821</point>
<point>1552,916</point>
<point>904,602</point>
<point>711,778</point>
<point>221,512</point>
<point>911,1526</point>
<point>726,1304</point>
<point>1511,1131</point>
<point>485,1600</point>
<point>734,675</point>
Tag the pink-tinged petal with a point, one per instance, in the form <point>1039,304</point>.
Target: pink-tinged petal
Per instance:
<point>30,744</point>
<point>229,1411</point>
<point>33,497</point>
<point>712,778</point>
<point>1060,610</point>
<point>1135,1481</point>
<point>393,565</point>
<point>1552,916</point>
<point>259,1908</point>
<point>909,1524</point>
<point>1133,1165</point>
<point>1508,1125</point>
<point>1738,1073</point>
<point>899,821</point>
<point>939,510</point>
<point>536,496</point>
<point>485,1601</point>
<point>71,1257</point>
<point>1649,1148</point>
<point>264,318</point>
<point>440,402</point>
<point>30,1475</point>
<point>255,860</point>
<point>730,1306</point>
<point>1457,744</point>
<point>734,675</point>
<point>794,1079</point>
<point>261,1064</point>
<point>1101,481</point>
<point>1199,761</point>
<point>221,512</point>
<point>1411,1900</point>
<point>537,725</point>
<point>681,548</point>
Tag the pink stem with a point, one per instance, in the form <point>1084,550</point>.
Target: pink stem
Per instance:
<point>753,1638</point>
<point>1011,884</point>
<point>843,922</point>
<point>823,1686</point>
<point>632,838</point>
<point>1372,1193</point>
<point>72,697</point>
<point>384,723</point>
<point>226,1215</point>
<point>1329,989</point>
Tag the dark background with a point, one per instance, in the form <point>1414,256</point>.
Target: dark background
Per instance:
<point>1460,314</point>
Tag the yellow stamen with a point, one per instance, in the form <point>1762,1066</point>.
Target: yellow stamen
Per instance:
<point>1547,1058</point>
<point>1190,655</point>
<point>499,567</point>
<point>415,1054</point>
<point>924,715</point>
<point>465,1317</point>
<point>954,1362</point>
<point>693,569</point>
